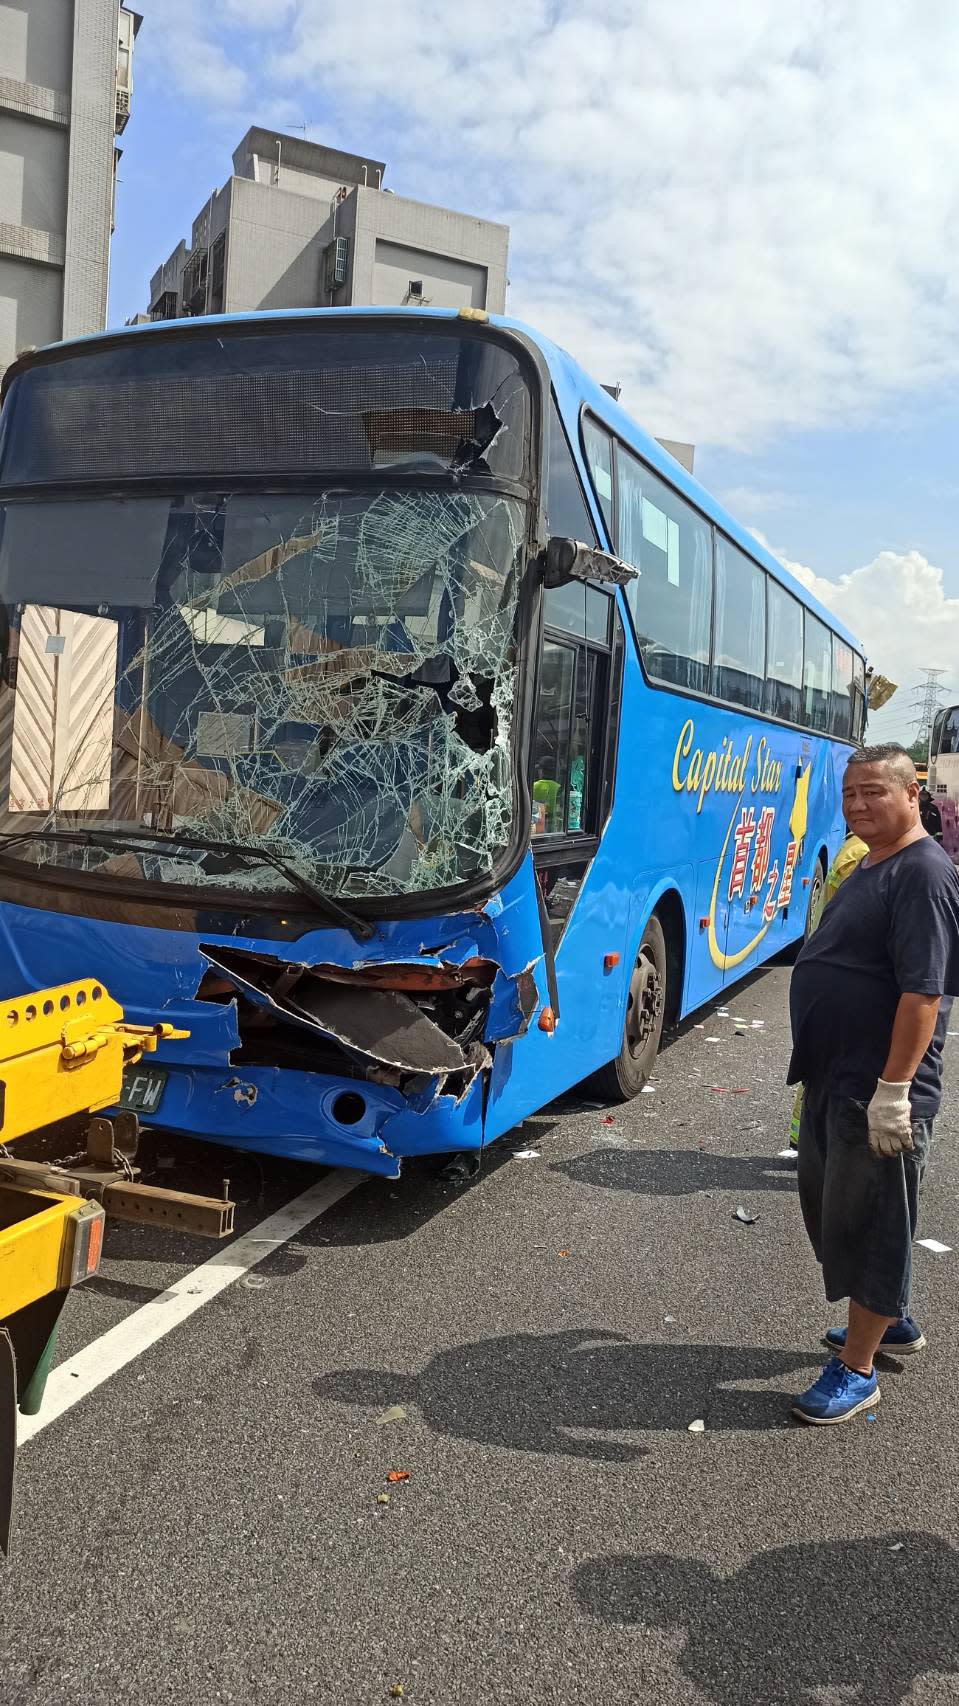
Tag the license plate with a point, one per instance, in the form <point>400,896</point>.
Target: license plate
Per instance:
<point>142,1088</point>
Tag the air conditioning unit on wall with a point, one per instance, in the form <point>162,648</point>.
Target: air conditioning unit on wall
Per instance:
<point>336,263</point>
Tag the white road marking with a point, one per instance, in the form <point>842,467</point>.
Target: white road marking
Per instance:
<point>96,1362</point>
<point>934,1245</point>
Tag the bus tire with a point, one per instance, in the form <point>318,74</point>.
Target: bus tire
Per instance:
<point>815,894</point>
<point>625,1076</point>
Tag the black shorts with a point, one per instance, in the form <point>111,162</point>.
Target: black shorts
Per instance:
<point>860,1209</point>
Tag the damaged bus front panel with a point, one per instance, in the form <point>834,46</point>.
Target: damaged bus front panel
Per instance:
<point>319,1049</point>
<point>265,588</point>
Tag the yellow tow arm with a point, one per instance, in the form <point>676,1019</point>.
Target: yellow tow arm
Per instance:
<point>63,1051</point>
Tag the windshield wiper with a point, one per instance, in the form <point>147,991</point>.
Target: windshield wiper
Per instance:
<point>139,840</point>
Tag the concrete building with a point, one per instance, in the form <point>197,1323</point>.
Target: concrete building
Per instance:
<point>299,225</point>
<point>65,85</point>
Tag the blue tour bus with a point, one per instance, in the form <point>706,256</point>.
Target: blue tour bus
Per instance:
<point>382,706</point>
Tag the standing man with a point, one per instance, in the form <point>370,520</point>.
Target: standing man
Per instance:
<point>869,1005</point>
<point>850,854</point>
<point>929,815</point>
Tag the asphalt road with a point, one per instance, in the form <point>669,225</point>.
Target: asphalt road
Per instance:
<point>206,1526</point>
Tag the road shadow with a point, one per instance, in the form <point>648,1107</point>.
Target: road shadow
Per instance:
<point>677,1172</point>
<point>381,1211</point>
<point>123,1290</point>
<point>585,1097</point>
<point>844,1599</point>
<point>535,1393</point>
<point>378,1211</point>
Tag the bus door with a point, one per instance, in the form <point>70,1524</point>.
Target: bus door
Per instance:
<point>573,757</point>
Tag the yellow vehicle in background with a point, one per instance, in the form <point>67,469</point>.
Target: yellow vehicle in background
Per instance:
<point>63,1053</point>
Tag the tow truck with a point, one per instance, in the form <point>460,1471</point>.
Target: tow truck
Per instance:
<point>64,1052</point>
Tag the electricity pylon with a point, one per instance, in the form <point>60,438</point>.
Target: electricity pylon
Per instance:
<point>926,702</point>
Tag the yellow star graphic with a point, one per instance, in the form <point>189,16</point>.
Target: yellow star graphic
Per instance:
<point>799,815</point>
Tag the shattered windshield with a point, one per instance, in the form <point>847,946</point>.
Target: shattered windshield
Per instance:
<point>329,677</point>
<point>259,591</point>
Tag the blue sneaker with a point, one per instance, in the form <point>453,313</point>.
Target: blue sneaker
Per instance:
<point>902,1339</point>
<point>837,1395</point>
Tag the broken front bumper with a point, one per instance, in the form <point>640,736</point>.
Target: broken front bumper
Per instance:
<point>318,991</point>
<point>306,1116</point>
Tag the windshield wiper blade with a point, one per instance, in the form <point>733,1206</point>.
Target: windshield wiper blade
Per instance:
<point>265,856</point>
<point>137,839</point>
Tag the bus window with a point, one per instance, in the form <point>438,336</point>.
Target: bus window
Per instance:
<point>566,512</point>
<point>783,654</point>
<point>817,675</point>
<point>578,609</point>
<point>937,733</point>
<point>858,697</point>
<point>599,457</point>
<point>671,545</point>
<point>848,691</point>
<point>949,733</point>
<point>573,714</point>
<point>739,657</point>
<point>552,750</point>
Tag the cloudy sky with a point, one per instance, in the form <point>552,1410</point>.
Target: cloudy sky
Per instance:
<point>746,214</point>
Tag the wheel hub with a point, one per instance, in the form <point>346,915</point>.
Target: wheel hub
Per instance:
<point>646,1000</point>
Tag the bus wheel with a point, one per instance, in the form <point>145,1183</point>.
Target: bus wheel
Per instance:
<point>815,896</point>
<point>625,1076</point>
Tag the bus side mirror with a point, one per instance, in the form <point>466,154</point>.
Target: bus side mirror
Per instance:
<point>566,560</point>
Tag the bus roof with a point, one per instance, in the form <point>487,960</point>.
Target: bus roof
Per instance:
<point>574,388</point>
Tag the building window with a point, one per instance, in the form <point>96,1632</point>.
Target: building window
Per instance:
<point>194,283</point>
<point>217,275</point>
<point>165,307</point>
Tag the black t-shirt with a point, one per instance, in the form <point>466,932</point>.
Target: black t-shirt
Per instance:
<point>892,929</point>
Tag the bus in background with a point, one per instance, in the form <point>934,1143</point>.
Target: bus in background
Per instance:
<point>943,782</point>
<point>381,705</point>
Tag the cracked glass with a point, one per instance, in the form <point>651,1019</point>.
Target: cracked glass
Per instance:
<point>236,688</point>
<point>328,678</point>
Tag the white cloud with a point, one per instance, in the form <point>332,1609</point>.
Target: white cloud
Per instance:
<point>745,210</point>
<point>898,606</point>
<point>181,45</point>
<point>744,213</point>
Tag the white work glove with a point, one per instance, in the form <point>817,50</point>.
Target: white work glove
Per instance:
<point>889,1118</point>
